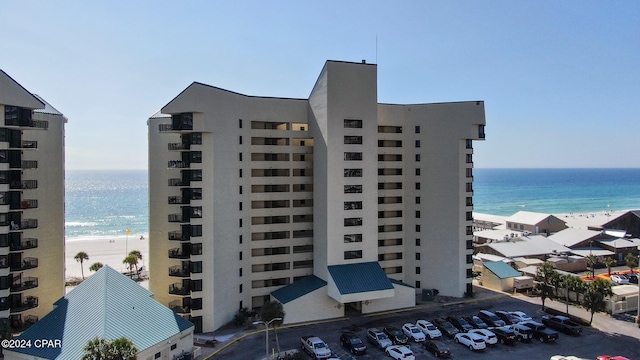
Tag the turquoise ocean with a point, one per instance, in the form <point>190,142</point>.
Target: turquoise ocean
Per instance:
<point>104,204</point>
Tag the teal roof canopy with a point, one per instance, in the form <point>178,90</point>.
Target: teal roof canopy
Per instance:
<point>502,270</point>
<point>360,277</point>
<point>107,305</point>
<point>298,289</point>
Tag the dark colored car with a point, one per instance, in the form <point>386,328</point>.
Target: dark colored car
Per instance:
<point>508,318</point>
<point>540,332</point>
<point>460,323</point>
<point>352,342</point>
<point>476,322</point>
<point>633,278</point>
<point>445,327</point>
<point>505,335</point>
<point>490,318</point>
<point>396,335</point>
<point>562,323</point>
<point>438,348</point>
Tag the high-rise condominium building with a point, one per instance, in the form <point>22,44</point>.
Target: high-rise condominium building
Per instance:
<point>330,202</point>
<point>31,206</point>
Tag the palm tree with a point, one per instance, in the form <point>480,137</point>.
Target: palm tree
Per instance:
<point>594,298</point>
<point>118,349</point>
<point>81,257</point>
<point>609,262</point>
<point>130,261</point>
<point>592,260</point>
<point>96,266</point>
<point>576,284</point>
<point>631,261</point>
<point>544,275</point>
<point>138,256</point>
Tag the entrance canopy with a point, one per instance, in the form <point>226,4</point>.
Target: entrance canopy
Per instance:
<point>358,282</point>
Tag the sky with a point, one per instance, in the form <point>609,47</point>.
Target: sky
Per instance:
<point>560,79</point>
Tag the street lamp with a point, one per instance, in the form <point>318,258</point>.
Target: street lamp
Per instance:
<point>266,325</point>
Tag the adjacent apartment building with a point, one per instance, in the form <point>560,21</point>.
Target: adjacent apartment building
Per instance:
<point>324,203</point>
<point>31,206</point>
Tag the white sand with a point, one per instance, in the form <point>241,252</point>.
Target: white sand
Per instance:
<point>104,251</point>
<point>584,220</point>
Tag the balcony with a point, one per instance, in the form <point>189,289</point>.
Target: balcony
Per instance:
<point>178,236</point>
<point>27,263</point>
<point>178,200</point>
<point>24,184</point>
<point>29,144</point>
<point>178,164</point>
<point>179,146</point>
<point>179,289</point>
<point>19,325</point>
<point>24,244</point>
<point>178,253</point>
<point>178,218</point>
<point>178,308</point>
<point>179,271</point>
<point>29,164</point>
<point>29,303</point>
<point>24,204</point>
<point>28,282</point>
<point>24,224</point>
<point>179,182</point>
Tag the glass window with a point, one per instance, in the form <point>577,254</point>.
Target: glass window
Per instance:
<point>350,123</point>
<point>353,254</point>
<point>353,139</point>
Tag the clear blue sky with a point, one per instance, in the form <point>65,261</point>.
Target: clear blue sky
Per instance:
<point>560,79</point>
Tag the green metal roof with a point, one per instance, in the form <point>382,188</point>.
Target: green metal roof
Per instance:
<point>299,288</point>
<point>360,277</point>
<point>107,305</point>
<point>502,270</point>
<point>398,282</point>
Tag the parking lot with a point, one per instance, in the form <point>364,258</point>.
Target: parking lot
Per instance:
<point>590,344</point>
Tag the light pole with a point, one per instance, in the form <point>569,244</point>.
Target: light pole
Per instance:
<point>266,325</point>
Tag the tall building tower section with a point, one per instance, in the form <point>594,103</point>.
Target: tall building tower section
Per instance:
<point>31,206</point>
<point>329,202</point>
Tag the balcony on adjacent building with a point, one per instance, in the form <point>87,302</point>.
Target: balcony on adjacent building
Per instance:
<point>178,218</point>
<point>24,244</point>
<point>28,282</point>
<point>179,289</point>
<point>179,271</point>
<point>28,224</point>
<point>18,324</point>
<point>179,308</point>
<point>178,200</point>
<point>178,236</point>
<point>23,184</point>
<point>179,253</point>
<point>29,302</point>
<point>25,264</point>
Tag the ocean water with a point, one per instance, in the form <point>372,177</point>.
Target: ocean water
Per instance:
<point>103,204</point>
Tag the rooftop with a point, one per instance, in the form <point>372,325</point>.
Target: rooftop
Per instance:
<point>502,270</point>
<point>528,217</point>
<point>572,236</point>
<point>298,289</point>
<point>360,277</point>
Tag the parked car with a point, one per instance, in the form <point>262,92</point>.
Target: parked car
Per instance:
<point>445,327</point>
<point>562,323</point>
<point>507,317</point>
<point>378,338</point>
<point>399,352</point>
<point>619,279</point>
<point>609,357</point>
<point>521,316</point>
<point>505,335</point>
<point>633,278</point>
<point>438,348</point>
<point>523,333</point>
<point>352,342</point>
<point>413,332</point>
<point>315,347</point>
<point>490,318</point>
<point>459,323</point>
<point>488,336</point>
<point>396,335</point>
<point>540,332</point>
<point>429,329</point>
<point>476,322</point>
<point>470,340</point>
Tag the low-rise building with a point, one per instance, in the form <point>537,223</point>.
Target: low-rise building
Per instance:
<point>499,276</point>
<point>535,223</point>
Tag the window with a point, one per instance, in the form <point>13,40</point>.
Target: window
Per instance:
<point>417,228</point>
<point>469,215</point>
<point>417,186</point>
<point>240,189</point>
<point>196,285</point>
<point>469,172</point>
<point>417,157</point>
<point>240,223</point>
<point>469,158</point>
<point>469,144</point>
<point>418,172</point>
<point>240,206</point>
<point>469,187</point>
<point>417,284</point>
<point>418,214</point>
<point>240,156</point>
<point>417,199</point>
<point>469,259</point>
<point>240,139</point>
<point>469,201</point>
<point>352,156</point>
<point>354,124</point>
<point>417,256</point>
<point>469,230</point>
<point>240,123</point>
<point>417,129</point>
<point>353,139</point>
<point>240,239</point>
<point>240,289</point>
<point>353,189</point>
<point>417,242</point>
<point>353,254</point>
<point>417,143</point>
<point>353,221</point>
<point>469,274</point>
<point>349,238</point>
<point>469,244</point>
<point>352,172</point>
<point>240,172</point>
<point>156,356</point>
<point>240,272</point>
<point>481,134</point>
<point>353,205</point>
<point>240,255</point>
<point>417,270</point>
<point>174,346</point>
<point>196,267</point>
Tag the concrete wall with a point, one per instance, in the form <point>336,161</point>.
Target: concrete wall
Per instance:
<point>404,297</point>
<point>315,305</point>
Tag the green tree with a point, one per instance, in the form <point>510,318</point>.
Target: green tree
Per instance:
<point>271,310</point>
<point>556,282</point>
<point>594,298</point>
<point>81,257</point>
<point>138,256</point>
<point>609,262</point>
<point>631,261</point>
<point>577,285</point>
<point>96,266</point>
<point>545,273</point>
<point>118,349</point>
<point>592,260</point>
<point>130,261</point>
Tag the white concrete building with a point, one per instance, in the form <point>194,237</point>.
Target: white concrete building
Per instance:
<point>249,195</point>
<point>31,206</point>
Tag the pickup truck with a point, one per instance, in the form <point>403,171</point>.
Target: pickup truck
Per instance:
<point>523,333</point>
<point>540,332</point>
<point>315,347</point>
<point>562,323</point>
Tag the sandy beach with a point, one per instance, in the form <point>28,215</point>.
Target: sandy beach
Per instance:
<point>109,251</point>
<point>584,220</point>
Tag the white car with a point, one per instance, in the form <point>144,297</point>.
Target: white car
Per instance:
<point>470,340</point>
<point>413,332</point>
<point>521,316</point>
<point>429,329</point>
<point>489,337</point>
<point>399,352</point>
<point>619,279</point>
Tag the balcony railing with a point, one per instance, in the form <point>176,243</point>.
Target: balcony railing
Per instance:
<point>25,204</point>
<point>178,289</point>
<point>177,307</point>
<point>28,282</point>
<point>177,218</point>
<point>29,303</point>
<point>29,144</point>
<point>24,244</point>
<point>165,127</point>
<point>178,253</point>
<point>29,164</point>
<point>25,224</point>
<point>179,271</point>
<point>24,184</point>
<point>178,182</point>
<point>179,146</point>
<point>178,200</point>
<point>27,263</point>
<point>178,236</point>
<point>178,164</point>
<point>19,325</point>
